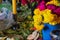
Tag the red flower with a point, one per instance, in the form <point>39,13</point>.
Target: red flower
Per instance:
<point>23,2</point>
<point>33,28</point>
<point>51,7</point>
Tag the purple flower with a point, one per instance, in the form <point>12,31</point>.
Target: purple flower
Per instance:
<point>51,6</point>
<point>57,11</point>
<point>41,6</point>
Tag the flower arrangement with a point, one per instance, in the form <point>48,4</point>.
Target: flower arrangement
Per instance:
<point>24,19</point>
<point>46,13</point>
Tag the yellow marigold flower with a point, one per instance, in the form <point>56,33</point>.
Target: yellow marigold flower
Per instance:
<point>46,11</point>
<point>53,23</point>
<point>47,16</point>
<point>55,20</point>
<point>55,2</point>
<point>39,27</point>
<point>37,12</point>
<point>37,18</point>
<point>58,20</point>
<point>36,23</point>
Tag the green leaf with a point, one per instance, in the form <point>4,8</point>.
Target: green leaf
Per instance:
<point>33,4</point>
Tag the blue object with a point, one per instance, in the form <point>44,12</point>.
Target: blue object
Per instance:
<point>49,28</point>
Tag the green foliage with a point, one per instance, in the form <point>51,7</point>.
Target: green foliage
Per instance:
<point>24,26</point>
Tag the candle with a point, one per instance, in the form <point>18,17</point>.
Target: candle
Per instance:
<point>14,6</point>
